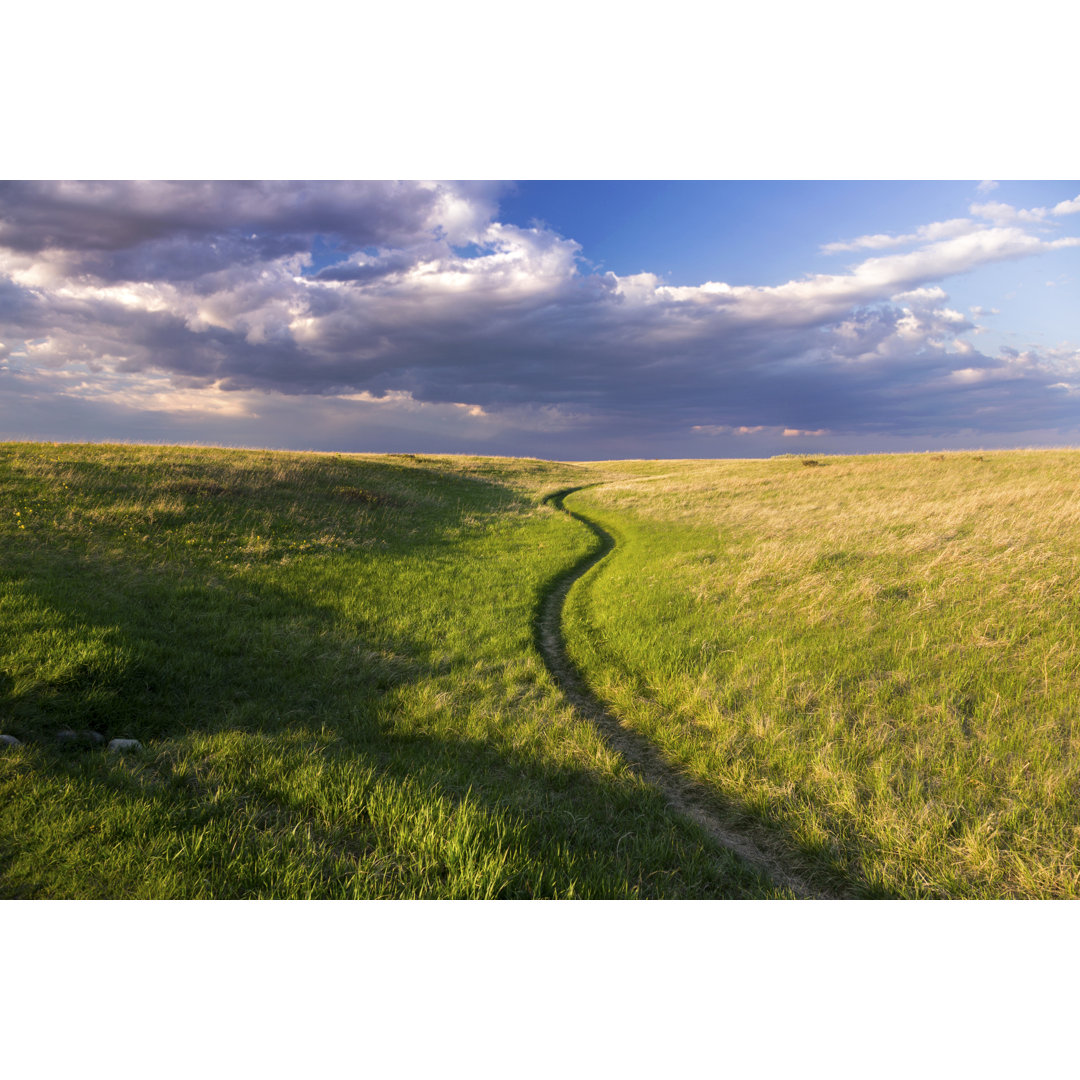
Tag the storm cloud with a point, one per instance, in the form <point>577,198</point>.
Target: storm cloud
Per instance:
<point>229,299</point>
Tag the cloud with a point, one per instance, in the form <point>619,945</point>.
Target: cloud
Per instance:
<point>366,268</point>
<point>185,300</point>
<point>985,186</point>
<point>937,230</point>
<point>726,429</point>
<point>823,296</point>
<point>37,216</point>
<point>1004,214</point>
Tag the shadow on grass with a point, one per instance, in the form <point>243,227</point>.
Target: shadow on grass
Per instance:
<point>176,657</point>
<point>545,833</point>
<point>261,663</point>
<point>142,649</point>
<point>170,654</point>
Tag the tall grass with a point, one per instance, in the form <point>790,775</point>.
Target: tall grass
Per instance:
<point>329,662</point>
<point>877,660</point>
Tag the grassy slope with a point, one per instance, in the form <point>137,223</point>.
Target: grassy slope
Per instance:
<point>878,659</point>
<point>330,662</point>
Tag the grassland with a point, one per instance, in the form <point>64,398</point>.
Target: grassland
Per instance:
<point>330,663</point>
<point>870,665</point>
<point>874,660</point>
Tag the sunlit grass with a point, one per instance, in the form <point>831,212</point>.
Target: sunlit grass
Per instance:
<point>329,661</point>
<point>878,659</point>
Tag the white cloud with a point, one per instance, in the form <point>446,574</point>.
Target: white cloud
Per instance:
<point>1003,214</point>
<point>931,294</point>
<point>160,395</point>
<point>985,186</point>
<point>969,375</point>
<point>937,230</point>
<point>726,429</point>
<point>823,296</point>
<point>876,240</point>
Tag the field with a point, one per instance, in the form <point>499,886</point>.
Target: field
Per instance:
<point>330,663</point>
<point>867,667</point>
<point>876,659</point>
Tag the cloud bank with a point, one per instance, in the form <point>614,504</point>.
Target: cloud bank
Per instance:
<point>361,310</point>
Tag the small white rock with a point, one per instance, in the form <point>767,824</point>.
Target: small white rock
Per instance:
<point>9,740</point>
<point>123,745</point>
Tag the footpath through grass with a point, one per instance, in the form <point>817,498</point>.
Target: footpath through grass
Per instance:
<point>330,663</point>
<point>877,659</point>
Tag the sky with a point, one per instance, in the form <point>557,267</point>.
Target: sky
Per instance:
<point>561,319</point>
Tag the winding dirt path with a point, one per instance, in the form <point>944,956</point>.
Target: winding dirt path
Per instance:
<point>685,796</point>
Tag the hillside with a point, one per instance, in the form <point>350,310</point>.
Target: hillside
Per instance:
<point>329,663</point>
<point>863,672</point>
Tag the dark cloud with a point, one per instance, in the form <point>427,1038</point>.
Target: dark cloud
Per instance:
<point>434,299</point>
<point>371,269</point>
<point>21,309</point>
<point>110,216</point>
<point>187,259</point>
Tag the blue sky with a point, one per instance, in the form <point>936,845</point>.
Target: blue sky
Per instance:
<point>768,232</point>
<point>557,319</point>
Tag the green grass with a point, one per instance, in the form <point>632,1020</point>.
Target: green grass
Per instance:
<point>877,661</point>
<point>330,663</point>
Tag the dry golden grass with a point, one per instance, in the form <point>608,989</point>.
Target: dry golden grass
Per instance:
<point>878,657</point>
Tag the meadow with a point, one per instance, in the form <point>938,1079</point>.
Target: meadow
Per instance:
<point>869,665</point>
<point>330,664</point>
<point>875,660</point>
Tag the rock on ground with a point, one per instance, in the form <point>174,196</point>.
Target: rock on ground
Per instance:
<point>124,745</point>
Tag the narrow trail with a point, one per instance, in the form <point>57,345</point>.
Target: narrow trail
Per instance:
<point>685,796</point>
